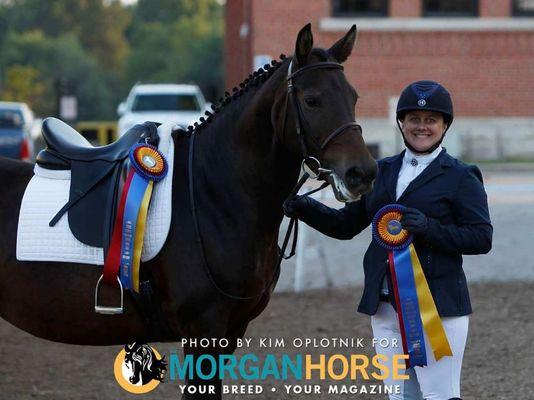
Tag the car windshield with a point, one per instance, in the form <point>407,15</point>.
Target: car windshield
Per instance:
<point>10,118</point>
<point>165,102</point>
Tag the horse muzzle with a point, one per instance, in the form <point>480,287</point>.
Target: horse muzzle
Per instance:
<point>356,182</point>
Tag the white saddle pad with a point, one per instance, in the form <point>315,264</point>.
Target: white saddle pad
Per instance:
<point>48,191</point>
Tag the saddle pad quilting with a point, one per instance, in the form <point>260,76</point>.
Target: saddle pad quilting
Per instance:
<point>47,192</point>
<point>36,240</point>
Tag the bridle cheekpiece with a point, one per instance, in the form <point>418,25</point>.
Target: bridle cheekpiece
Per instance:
<point>311,165</point>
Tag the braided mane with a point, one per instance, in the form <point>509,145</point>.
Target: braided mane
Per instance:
<point>251,83</point>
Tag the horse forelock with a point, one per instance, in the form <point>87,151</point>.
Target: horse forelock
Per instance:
<point>322,54</point>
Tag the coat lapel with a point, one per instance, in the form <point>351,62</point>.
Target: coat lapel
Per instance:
<point>395,164</point>
<point>434,169</point>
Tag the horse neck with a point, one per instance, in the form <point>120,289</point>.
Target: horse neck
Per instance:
<point>241,158</point>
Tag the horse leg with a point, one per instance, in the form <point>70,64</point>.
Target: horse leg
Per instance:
<point>54,301</point>
<point>198,388</point>
<point>212,388</point>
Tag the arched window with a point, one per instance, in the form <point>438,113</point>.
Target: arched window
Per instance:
<point>450,8</point>
<point>360,8</point>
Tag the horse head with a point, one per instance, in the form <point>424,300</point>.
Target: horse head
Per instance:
<point>144,363</point>
<point>315,116</point>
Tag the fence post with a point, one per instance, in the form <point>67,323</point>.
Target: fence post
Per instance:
<point>299,262</point>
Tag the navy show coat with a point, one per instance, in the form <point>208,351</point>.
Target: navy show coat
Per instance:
<point>451,194</point>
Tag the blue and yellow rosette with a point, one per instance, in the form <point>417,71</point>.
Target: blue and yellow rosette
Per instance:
<point>415,306</point>
<point>148,165</point>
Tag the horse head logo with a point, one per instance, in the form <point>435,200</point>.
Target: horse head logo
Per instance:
<point>144,363</point>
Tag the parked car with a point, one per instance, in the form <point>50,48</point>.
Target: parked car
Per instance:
<point>16,126</point>
<point>182,104</point>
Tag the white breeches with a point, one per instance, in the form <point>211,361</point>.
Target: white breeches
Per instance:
<point>439,380</point>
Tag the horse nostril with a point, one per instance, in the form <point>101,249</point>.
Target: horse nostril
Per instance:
<point>354,176</point>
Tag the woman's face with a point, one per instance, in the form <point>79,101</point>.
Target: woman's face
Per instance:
<point>423,129</point>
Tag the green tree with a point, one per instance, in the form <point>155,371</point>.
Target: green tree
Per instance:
<point>184,40</point>
<point>169,11</point>
<point>4,26</point>
<point>102,47</point>
<point>57,58</point>
<point>98,25</point>
<point>22,84</point>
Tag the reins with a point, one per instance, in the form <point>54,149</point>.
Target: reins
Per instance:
<point>309,162</point>
<point>294,222</point>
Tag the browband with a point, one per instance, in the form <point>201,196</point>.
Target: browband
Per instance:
<point>327,64</point>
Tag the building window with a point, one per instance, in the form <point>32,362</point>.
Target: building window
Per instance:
<point>360,8</point>
<point>450,8</point>
<point>523,8</point>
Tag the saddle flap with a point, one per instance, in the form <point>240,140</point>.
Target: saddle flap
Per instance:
<point>93,191</point>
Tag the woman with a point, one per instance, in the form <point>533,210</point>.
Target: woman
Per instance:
<point>447,213</point>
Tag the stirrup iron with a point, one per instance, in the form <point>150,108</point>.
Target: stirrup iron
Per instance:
<point>109,310</point>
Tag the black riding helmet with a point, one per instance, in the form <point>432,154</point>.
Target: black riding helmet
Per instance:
<point>425,96</point>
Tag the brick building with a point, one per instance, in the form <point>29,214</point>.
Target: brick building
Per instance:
<point>481,50</point>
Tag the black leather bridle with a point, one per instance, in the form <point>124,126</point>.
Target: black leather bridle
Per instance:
<point>312,163</point>
<point>299,117</point>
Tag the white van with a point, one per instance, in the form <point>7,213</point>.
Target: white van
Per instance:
<point>182,104</point>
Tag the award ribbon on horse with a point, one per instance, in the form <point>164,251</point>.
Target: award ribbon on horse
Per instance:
<point>415,306</point>
<point>147,166</point>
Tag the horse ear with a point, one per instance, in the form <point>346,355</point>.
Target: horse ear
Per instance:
<point>343,47</point>
<point>304,44</point>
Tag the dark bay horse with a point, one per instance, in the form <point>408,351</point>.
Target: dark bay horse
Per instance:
<point>246,161</point>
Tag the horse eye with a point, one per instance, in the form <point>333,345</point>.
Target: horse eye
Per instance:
<point>311,101</point>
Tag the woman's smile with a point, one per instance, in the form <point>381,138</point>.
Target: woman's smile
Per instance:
<point>423,129</point>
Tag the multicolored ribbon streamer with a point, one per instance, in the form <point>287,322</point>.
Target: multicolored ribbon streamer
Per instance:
<point>415,306</point>
<point>124,256</point>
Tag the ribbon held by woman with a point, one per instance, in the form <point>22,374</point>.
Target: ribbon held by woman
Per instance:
<point>415,306</point>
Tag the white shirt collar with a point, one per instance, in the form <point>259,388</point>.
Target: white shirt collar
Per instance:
<point>422,159</point>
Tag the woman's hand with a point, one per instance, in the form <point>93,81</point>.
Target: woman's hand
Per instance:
<point>414,221</point>
<point>294,206</point>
